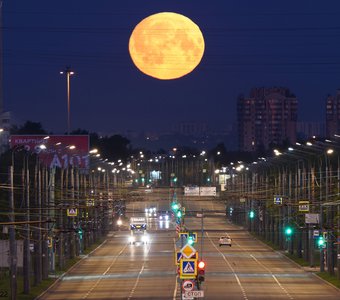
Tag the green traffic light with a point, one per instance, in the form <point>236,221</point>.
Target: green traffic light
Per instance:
<point>288,231</point>
<point>179,214</point>
<point>251,214</point>
<point>321,241</point>
<point>80,232</point>
<point>190,240</point>
<point>174,206</point>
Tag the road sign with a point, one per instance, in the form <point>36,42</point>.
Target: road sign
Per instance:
<point>194,294</point>
<point>49,242</point>
<point>188,251</point>
<point>72,212</point>
<point>316,233</point>
<point>304,206</point>
<point>186,298</point>
<point>188,285</point>
<point>178,257</point>
<point>312,218</point>
<point>193,235</point>
<point>278,200</point>
<point>188,268</point>
<point>183,235</point>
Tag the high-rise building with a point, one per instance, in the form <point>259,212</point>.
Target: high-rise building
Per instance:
<point>267,117</point>
<point>333,114</point>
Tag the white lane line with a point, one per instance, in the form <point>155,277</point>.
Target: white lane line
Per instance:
<point>101,277</point>
<point>231,268</point>
<point>267,269</point>
<point>138,277</point>
<point>175,290</point>
<point>274,277</point>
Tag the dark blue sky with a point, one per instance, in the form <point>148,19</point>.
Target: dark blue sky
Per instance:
<point>248,44</point>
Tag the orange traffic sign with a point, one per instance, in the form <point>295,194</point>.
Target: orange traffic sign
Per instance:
<point>188,251</point>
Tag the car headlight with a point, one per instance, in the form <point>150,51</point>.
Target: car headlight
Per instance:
<point>131,239</point>
<point>166,217</point>
<point>144,239</point>
<point>119,222</point>
<point>161,217</point>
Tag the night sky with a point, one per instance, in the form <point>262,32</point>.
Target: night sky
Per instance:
<point>248,44</point>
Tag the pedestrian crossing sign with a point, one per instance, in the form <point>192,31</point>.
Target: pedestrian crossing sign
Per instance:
<point>178,257</point>
<point>72,212</point>
<point>188,268</point>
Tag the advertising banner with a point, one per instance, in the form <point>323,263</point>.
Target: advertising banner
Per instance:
<point>59,151</point>
<point>191,191</point>
<point>207,191</point>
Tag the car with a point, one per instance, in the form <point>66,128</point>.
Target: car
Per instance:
<point>151,212</point>
<point>164,216</point>
<point>225,240</point>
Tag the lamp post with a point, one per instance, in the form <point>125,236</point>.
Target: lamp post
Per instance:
<point>68,72</point>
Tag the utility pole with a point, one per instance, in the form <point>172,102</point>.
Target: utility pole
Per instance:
<point>37,242</point>
<point>1,60</point>
<point>12,241</point>
<point>68,72</point>
<point>202,234</point>
<point>27,254</point>
<point>322,259</point>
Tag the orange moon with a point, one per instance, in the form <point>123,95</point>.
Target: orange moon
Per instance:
<point>166,45</point>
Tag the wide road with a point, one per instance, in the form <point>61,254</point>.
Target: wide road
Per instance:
<point>247,270</point>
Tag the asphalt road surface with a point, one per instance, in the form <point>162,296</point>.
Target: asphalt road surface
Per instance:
<point>247,270</point>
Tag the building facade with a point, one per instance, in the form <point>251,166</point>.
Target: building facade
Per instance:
<point>267,117</point>
<point>333,114</point>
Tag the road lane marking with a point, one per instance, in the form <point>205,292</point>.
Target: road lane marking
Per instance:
<point>274,277</point>
<point>138,277</point>
<point>267,269</point>
<point>231,268</point>
<point>103,275</point>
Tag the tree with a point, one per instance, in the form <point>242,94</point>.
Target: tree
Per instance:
<point>113,148</point>
<point>29,128</point>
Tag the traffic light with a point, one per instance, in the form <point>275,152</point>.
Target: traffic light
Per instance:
<point>288,232</point>
<point>200,270</point>
<point>251,214</point>
<point>80,232</point>
<point>174,206</point>
<point>321,242</point>
<point>179,214</point>
<point>190,240</point>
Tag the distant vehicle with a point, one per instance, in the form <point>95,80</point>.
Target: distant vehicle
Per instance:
<point>225,240</point>
<point>164,216</point>
<point>151,212</point>
<point>138,230</point>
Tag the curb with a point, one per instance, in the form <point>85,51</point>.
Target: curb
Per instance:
<point>295,263</point>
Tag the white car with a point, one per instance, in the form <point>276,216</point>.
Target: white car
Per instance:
<point>225,240</point>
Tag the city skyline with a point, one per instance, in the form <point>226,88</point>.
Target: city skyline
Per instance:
<point>248,45</point>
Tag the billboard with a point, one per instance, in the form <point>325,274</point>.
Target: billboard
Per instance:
<point>207,191</point>
<point>191,191</point>
<point>59,151</point>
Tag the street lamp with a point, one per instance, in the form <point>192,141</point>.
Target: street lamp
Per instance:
<point>68,72</point>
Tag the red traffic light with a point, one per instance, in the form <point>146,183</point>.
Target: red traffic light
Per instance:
<point>201,264</point>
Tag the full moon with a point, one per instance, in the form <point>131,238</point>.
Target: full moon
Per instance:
<point>166,45</point>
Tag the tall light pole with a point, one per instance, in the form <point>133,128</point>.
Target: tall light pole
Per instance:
<point>68,72</point>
